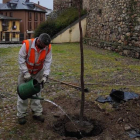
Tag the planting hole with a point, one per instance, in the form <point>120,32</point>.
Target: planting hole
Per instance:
<point>75,128</point>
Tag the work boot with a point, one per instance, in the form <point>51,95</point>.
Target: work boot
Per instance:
<point>39,118</point>
<point>22,120</point>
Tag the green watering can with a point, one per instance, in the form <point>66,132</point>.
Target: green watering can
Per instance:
<point>28,89</point>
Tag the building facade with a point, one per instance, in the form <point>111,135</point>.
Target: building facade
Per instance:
<point>30,14</point>
<point>63,4</point>
<point>9,29</point>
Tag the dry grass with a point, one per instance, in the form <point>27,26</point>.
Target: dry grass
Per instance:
<point>104,70</point>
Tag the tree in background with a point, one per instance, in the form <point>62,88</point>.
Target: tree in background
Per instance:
<point>58,20</point>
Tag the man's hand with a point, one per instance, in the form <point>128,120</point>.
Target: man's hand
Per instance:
<point>27,77</point>
<point>44,80</point>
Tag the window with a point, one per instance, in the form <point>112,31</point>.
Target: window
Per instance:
<point>41,16</point>
<point>11,14</point>
<point>29,26</point>
<point>14,35</point>
<point>5,25</point>
<point>6,14</point>
<point>70,3</point>
<point>14,25</point>
<point>29,15</point>
<point>36,16</point>
<point>35,25</point>
<point>12,4</point>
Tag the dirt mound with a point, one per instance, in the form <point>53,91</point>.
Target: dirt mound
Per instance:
<point>112,125</point>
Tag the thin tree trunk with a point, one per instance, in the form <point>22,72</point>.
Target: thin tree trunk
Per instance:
<point>82,67</point>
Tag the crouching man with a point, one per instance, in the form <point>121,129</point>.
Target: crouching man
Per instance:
<point>35,57</point>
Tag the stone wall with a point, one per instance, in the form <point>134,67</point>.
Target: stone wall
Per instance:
<point>63,4</point>
<point>86,4</point>
<point>114,25</point>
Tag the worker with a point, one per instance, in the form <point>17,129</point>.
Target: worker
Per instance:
<point>35,57</point>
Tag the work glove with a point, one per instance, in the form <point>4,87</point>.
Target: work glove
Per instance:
<point>44,80</point>
<point>27,77</point>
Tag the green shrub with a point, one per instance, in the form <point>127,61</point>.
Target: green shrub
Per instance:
<point>54,25</point>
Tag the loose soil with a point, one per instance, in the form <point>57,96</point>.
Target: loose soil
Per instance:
<point>107,125</point>
<point>110,126</point>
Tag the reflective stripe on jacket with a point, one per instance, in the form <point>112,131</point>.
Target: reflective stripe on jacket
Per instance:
<point>35,60</point>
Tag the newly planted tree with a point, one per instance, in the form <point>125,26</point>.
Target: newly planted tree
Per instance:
<point>79,5</point>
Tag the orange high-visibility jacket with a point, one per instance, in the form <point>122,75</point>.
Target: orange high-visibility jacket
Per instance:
<point>35,60</point>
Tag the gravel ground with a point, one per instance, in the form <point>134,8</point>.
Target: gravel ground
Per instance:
<point>9,45</point>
